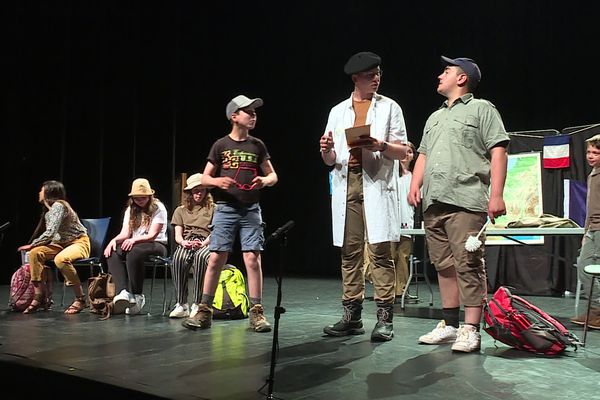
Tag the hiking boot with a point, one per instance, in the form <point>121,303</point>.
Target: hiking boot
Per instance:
<point>258,321</point>
<point>467,339</point>
<point>140,300</point>
<point>180,311</point>
<point>384,329</point>
<point>594,322</point>
<point>441,334</point>
<point>580,319</point>
<point>202,319</point>
<point>351,322</point>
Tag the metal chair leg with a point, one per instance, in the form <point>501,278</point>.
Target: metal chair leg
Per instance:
<point>577,296</point>
<point>166,275</point>
<point>411,267</point>
<point>152,288</point>
<point>589,307</point>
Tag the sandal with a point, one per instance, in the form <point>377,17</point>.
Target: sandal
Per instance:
<point>36,303</point>
<point>48,303</point>
<point>78,305</point>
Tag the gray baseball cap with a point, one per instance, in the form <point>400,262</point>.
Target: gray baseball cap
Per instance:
<point>241,101</point>
<point>466,64</point>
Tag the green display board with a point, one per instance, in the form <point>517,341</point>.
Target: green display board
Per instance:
<point>522,195</point>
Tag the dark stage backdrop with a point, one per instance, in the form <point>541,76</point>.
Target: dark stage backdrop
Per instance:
<point>97,93</point>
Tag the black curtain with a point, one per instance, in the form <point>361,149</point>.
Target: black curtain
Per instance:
<point>548,269</point>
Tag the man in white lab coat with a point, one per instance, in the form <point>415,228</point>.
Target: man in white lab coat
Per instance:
<point>364,194</point>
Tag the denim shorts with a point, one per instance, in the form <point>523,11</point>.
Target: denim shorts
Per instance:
<point>229,220</point>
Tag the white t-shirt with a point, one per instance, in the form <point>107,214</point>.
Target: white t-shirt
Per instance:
<point>160,217</point>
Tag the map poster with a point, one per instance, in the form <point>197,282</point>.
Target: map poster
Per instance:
<point>522,195</point>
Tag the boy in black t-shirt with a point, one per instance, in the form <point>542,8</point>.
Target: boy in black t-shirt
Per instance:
<point>238,167</point>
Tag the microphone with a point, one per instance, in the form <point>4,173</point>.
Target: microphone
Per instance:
<point>4,226</point>
<point>282,230</point>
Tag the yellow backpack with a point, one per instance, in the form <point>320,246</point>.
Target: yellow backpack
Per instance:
<point>231,300</point>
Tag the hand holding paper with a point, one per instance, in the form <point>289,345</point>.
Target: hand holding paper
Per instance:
<point>359,136</point>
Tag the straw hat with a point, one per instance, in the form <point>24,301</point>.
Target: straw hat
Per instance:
<point>193,181</point>
<point>141,187</point>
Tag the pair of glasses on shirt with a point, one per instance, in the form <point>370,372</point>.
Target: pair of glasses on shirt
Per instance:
<point>243,186</point>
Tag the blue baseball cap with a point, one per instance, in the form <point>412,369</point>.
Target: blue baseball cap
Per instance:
<point>466,64</point>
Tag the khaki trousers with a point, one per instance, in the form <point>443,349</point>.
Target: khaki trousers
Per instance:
<point>353,254</point>
<point>400,252</point>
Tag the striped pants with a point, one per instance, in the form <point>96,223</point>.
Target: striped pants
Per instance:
<point>183,259</point>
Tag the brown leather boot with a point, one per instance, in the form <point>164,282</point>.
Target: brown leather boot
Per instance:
<point>580,319</point>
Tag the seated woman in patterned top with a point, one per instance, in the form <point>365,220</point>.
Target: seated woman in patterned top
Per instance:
<point>64,239</point>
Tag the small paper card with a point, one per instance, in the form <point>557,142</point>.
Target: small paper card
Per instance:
<point>353,135</point>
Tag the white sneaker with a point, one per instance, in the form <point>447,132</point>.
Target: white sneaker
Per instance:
<point>441,334</point>
<point>121,301</point>
<point>467,340</point>
<point>140,300</point>
<point>180,311</point>
<point>194,310</point>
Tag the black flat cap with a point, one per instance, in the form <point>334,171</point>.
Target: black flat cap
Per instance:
<point>362,61</point>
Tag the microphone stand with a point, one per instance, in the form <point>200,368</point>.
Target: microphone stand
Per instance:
<point>3,227</point>
<point>278,311</point>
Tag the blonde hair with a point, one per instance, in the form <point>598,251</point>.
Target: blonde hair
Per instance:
<point>139,216</point>
<point>594,141</point>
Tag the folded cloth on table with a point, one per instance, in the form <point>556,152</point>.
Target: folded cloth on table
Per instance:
<point>543,221</point>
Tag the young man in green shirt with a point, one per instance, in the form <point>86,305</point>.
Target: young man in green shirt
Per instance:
<point>462,169</point>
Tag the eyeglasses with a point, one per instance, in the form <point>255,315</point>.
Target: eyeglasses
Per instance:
<point>245,186</point>
<point>250,111</point>
<point>371,75</point>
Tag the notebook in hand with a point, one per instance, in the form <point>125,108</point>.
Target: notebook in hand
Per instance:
<point>354,134</point>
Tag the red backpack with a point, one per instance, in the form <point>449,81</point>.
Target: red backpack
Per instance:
<point>518,323</point>
<point>21,289</point>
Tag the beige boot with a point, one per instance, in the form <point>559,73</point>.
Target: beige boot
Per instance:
<point>258,321</point>
<point>201,320</point>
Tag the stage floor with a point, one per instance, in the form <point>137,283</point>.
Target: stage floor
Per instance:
<point>152,356</point>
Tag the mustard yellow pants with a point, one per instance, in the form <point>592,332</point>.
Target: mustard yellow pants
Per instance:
<point>63,259</point>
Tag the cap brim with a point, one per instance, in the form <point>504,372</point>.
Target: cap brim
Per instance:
<point>447,61</point>
<point>141,194</point>
<point>254,103</point>
<point>190,187</point>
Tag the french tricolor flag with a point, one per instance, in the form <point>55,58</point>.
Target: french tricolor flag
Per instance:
<point>556,151</point>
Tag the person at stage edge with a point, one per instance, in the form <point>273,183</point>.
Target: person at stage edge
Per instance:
<point>61,237</point>
<point>192,234</point>
<point>461,168</point>
<point>590,244</point>
<point>143,234</point>
<point>233,172</point>
<point>364,201</point>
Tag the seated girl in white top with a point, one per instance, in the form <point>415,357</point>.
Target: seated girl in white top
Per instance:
<point>143,234</point>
